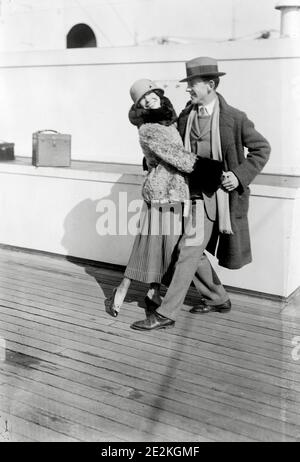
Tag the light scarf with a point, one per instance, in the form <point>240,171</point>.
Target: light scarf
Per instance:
<point>222,196</point>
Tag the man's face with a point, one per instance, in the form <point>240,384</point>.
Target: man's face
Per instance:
<point>199,90</point>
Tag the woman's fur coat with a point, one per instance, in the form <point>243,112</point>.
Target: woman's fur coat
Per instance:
<point>168,163</point>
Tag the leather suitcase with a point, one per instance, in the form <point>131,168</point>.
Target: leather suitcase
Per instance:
<point>51,149</point>
<point>7,151</point>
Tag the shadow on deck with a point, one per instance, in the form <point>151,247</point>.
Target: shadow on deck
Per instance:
<point>70,372</point>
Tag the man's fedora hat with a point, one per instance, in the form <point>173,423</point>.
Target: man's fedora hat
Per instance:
<point>202,67</point>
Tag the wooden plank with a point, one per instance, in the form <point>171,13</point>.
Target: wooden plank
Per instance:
<point>268,305</point>
<point>265,335</point>
<point>92,427</point>
<point>148,424</point>
<point>64,370</point>
<point>112,374</point>
<point>224,364</point>
<point>129,347</point>
<point>263,398</point>
<point>69,292</point>
<point>284,349</point>
<point>133,366</point>
<point>128,356</point>
<point>202,429</point>
<point>99,347</point>
<point>204,331</point>
<point>96,271</point>
<point>221,371</point>
<point>72,279</point>
<point>132,404</point>
<point>17,438</point>
<point>56,262</point>
<point>113,337</point>
<point>30,424</point>
<point>294,331</point>
<point>193,411</point>
<point>190,342</point>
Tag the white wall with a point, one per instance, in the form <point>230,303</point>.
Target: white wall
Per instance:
<point>57,210</point>
<point>43,24</point>
<point>275,266</point>
<point>86,93</point>
<point>293,270</point>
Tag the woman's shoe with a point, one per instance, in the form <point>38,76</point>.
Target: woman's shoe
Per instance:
<point>111,307</point>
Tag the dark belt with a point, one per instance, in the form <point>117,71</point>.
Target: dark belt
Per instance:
<point>196,194</point>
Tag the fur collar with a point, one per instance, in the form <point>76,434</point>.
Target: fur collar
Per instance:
<point>165,115</point>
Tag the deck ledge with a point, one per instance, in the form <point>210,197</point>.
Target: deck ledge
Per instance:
<point>265,184</point>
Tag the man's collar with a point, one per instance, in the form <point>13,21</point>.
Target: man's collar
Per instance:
<point>210,106</point>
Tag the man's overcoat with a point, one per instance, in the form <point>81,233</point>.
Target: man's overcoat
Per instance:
<point>236,132</point>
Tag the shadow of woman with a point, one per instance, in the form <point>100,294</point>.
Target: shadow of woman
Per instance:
<point>93,241</point>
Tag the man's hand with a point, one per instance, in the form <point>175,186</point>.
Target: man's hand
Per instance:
<point>229,181</point>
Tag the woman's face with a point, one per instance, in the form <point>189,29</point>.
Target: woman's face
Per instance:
<point>150,101</point>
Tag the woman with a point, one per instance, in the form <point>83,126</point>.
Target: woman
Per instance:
<point>165,191</point>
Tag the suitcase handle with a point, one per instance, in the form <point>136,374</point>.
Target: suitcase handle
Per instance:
<point>43,131</point>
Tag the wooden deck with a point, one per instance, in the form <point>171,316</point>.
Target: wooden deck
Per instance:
<point>70,372</point>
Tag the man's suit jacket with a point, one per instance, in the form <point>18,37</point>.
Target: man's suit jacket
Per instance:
<point>236,132</point>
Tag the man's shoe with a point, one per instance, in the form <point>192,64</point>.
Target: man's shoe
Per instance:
<point>204,308</point>
<point>151,304</point>
<point>153,322</point>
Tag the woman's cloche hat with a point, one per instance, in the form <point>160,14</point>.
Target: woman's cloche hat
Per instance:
<point>141,87</point>
<point>202,67</point>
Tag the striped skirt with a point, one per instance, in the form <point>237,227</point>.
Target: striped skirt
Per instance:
<point>155,247</point>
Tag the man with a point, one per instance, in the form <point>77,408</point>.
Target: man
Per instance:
<point>212,128</point>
